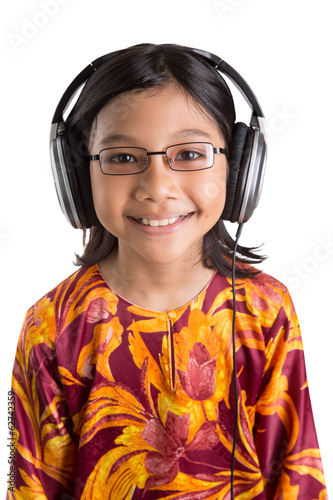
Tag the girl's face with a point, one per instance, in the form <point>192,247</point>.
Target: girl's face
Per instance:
<point>181,207</point>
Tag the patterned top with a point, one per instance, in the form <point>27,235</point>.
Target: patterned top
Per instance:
<point>118,402</point>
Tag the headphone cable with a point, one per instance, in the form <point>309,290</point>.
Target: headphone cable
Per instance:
<point>239,231</point>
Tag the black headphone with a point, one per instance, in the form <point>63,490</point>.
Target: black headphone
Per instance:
<point>246,160</point>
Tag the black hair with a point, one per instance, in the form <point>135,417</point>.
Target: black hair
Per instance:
<point>139,68</point>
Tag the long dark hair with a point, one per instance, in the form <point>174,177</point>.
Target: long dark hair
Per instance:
<point>144,67</point>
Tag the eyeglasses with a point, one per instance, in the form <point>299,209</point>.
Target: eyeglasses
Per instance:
<point>186,157</point>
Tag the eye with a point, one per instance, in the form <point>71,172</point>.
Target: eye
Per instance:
<point>121,158</point>
<point>188,155</point>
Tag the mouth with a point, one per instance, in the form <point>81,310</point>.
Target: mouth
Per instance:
<point>160,222</point>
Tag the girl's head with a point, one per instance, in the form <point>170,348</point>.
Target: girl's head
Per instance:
<point>117,96</point>
<point>161,214</point>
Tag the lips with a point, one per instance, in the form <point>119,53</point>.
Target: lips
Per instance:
<point>160,222</point>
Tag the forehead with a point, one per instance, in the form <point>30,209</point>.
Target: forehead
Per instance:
<point>162,111</point>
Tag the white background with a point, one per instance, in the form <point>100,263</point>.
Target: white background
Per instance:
<point>282,48</point>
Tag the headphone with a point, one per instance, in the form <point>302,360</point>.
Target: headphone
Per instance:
<point>246,159</point>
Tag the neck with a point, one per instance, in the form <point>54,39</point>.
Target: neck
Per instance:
<point>155,286</point>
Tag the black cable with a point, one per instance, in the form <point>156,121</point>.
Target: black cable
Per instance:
<point>239,231</point>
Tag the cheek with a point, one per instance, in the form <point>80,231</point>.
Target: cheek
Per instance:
<point>211,192</point>
<point>214,192</point>
<point>105,196</point>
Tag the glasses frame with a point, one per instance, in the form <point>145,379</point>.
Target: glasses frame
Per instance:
<point>152,153</point>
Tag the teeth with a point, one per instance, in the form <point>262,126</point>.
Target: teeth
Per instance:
<point>165,222</point>
<point>154,222</point>
<point>162,222</point>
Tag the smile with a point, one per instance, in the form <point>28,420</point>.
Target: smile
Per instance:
<point>160,222</point>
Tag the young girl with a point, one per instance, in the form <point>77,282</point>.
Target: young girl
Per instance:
<point>124,376</point>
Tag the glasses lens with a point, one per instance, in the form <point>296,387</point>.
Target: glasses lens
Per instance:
<point>191,156</point>
<point>123,161</point>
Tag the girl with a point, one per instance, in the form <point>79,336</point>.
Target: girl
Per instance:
<point>124,375</point>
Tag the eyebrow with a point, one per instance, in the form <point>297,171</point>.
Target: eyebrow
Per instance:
<point>178,135</point>
<point>192,132</point>
<point>116,139</point>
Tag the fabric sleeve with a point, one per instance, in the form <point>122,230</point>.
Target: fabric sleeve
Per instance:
<point>285,434</point>
<point>45,450</point>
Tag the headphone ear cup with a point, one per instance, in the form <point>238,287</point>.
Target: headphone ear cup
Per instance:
<point>246,172</point>
<point>67,184</point>
<point>62,182</point>
<point>77,169</point>
<point>236,170</point>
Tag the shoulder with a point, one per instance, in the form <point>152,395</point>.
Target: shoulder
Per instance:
<point>78,281</point>
<point>271,300</point>
<point>265,287</point>
<point>80,292</point>
<point>265,297</point>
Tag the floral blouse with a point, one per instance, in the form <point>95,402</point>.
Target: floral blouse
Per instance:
<point>118,402</point>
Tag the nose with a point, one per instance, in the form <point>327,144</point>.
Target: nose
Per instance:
<point>158,182</point>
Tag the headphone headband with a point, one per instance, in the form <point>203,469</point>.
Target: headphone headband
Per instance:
<point>214,60</point>
<point>79,80</point>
